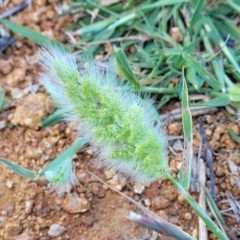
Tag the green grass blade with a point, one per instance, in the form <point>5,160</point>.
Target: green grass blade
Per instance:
<point>234,136</point>
<point>191,46</point>
<point>216,38</point>
<point>215,102</point>
<point>124,67</point>
<point>197,15</point>
<point>186,168</point>
<point>18,169</point>
<point>64,156</point>
<point>214,83</point>
<point>192,77</point>
<point>3,102</point>
<point>122,20</point>
<point>30,34</point>
<point>233,93</point>
<point>228,28</point>
<point>234,6</point>
<point>214,209</point>
<point>200,212</point>
<point>95,27</point>
<point>53,119</point>
<point>218,69</point>
<point>162,3</point>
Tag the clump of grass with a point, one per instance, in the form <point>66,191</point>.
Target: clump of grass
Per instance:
<point>206,43</point>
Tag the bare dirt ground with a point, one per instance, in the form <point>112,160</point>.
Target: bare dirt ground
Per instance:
<point>91,211</point>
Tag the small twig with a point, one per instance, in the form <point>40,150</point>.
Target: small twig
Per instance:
<point>235,171</point>
<point>15,9</point>
<point>209,158</point>
<point>119,39</point>
<point>196,111</point>
<point>215,54</point>
<point>235,206</point>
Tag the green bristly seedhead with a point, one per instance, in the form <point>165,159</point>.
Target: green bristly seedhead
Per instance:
<point>62,177</point>
<point>120,123</point>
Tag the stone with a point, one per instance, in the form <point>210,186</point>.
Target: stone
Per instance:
<point>74,204</point>
<point>174,129</point>
<point>9,208</point>
<point>3,124</point>
<point>5,66</point>
<point>170,193</point>
<point>188,216</point>
<point>97,189</point>
<point>23,236</point>
<point>9,184</point>
<point>56,230</point>
<point>109,173</point>
<point>15,77</point>
<point>147,202</point>
<point>12,229</point>
<point>160,202</point>
<point>176,34</point>
<point>83,177</point>
<point>138,188</point>
<point>29,206</point>
<point>30,110</point>
<point>118,181</point>
<point>87,220</point>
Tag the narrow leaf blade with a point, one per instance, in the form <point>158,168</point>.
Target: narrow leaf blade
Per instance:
<point>31,34</point>
<point>64,156</point>
<point>124,68</point>
<point>18,169</point>
<point>214,83</point>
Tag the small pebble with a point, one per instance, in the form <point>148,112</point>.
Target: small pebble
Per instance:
<point>138,188</point>
<point>118,182</point>
<point>87,220</point>
<point>74,204</point>
<point>147,202</point>
<point>174,129</point>
<point>30,110</point>
<point>160,202</point>
<point>56,230</point>
<point>176,34</point>
<point>188,216</point>
<point>9,208</point>
<point>23,236</point>
<point>9,184</point>
<point>109,173</point>
<point>83,177</point>
<point>12,229</point>
<point>15,77</point>
<point>28,206</point>
<point>3,124</point>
